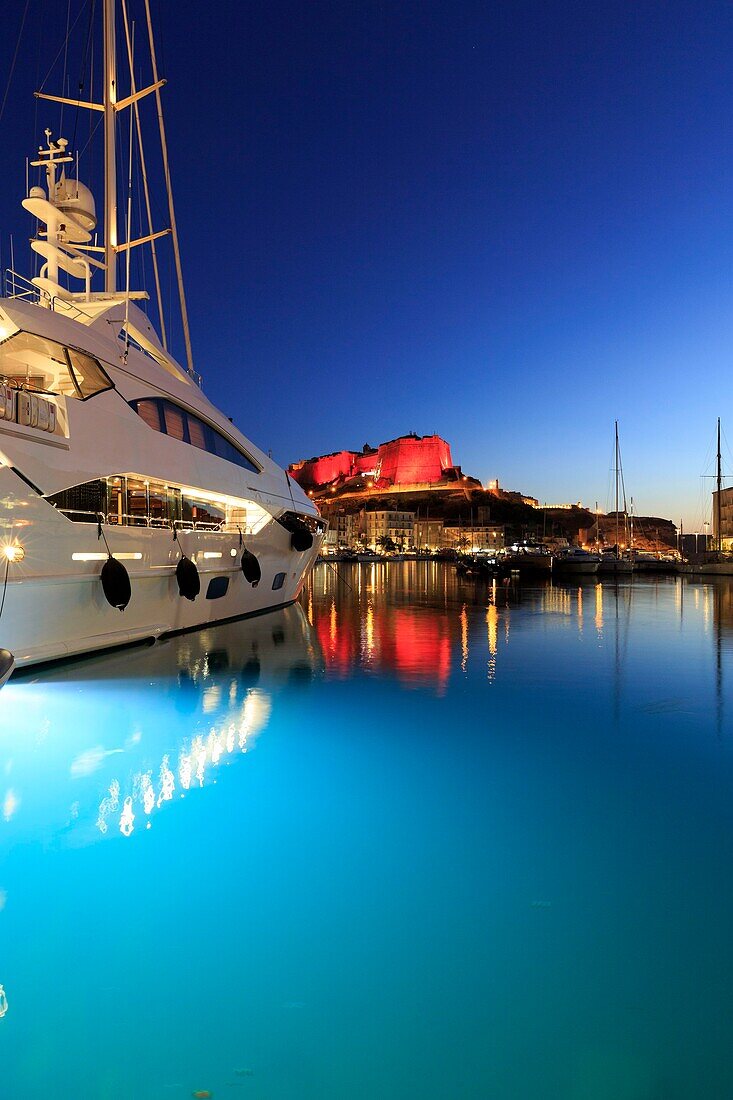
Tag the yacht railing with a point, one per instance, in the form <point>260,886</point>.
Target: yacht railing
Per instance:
<point>17,286</point>
<point>22,289</point>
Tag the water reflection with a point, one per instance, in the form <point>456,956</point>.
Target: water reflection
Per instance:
<point>410,620</point>
<point>418,622</point>
<point>386,867</point>
<point>100,746</point>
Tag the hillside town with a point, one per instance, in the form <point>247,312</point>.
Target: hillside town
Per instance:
<point>408,494</point>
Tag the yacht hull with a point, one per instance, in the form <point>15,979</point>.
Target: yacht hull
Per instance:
<point>55,605</point>
<point>614,567</point>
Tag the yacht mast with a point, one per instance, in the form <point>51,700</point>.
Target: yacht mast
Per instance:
<point>169,189</point>
<point>110,164</point>
<point>617,553</point>
<point>718,497</point>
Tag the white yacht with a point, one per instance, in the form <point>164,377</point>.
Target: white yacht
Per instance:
<point>130,507</point>
<point>575,560</point>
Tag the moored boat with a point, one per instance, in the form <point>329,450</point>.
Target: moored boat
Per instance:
<point>122,487</point>
<point>612,563</point>
<point>527,559</point>
<point>655,563</point>
<point>575,560</point>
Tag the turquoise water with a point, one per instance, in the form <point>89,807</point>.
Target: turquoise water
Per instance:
<point>414,838</point>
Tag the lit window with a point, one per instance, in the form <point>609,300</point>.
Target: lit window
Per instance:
<point>42,366</point>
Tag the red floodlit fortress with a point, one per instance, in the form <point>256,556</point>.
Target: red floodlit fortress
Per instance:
<point>410,461</point>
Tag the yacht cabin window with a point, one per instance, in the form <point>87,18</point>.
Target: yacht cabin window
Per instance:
<point>34,363</point>
<point>170,419</point>
<point>132,502</point>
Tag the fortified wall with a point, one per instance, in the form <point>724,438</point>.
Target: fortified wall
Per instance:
<point>407,460</point>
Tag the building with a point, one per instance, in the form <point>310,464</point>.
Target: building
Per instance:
<point>397,526</point>
<point>697,542</point>
<point>470,539</point>
<point>409,460</point>
<point>427,534</point>
<point>342,531</point>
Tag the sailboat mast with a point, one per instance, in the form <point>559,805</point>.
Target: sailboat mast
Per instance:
<point>718,497</point>
<point>617,553</point>
<point>110,163</point>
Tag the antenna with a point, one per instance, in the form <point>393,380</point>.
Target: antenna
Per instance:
<point>110,163</point>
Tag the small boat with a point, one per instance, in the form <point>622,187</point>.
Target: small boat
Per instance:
<point>527,558</point>
<point>476,566</point>
<point>7,664</point>
<point>611,562</point>
<point>575,560</point>
<point>653,563</point>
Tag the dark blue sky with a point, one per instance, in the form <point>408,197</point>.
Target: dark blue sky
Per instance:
<point>509,224</point>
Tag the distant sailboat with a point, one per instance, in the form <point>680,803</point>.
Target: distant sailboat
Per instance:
<point>715,561</point>
<point>614,562</point>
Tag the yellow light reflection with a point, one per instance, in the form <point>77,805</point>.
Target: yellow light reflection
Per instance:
<point>369,630</point>
<point>464,638</point>
<point>492,629</point>
<point>599,608</point>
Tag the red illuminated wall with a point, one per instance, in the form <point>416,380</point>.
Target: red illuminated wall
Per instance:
<point>404,461</point>
<point>408,460</point>
<point>322,471</point>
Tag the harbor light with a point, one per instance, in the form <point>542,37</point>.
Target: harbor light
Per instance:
<point>13,552</point>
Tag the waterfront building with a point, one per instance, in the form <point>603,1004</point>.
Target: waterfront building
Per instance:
<point>397,526</point>
<point>342,531</point>
<point>472,538</point>
<point>427,534</point>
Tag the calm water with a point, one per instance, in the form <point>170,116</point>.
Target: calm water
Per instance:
<point>416,838</point>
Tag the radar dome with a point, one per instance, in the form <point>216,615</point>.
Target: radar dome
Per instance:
<point>76,199</point>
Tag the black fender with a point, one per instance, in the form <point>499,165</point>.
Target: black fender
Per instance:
<point>116,583</point>
<point>189,581</point>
